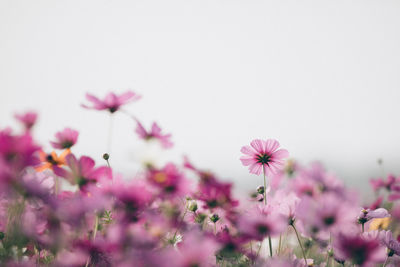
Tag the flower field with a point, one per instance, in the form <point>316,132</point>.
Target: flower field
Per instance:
<point>58,208</point>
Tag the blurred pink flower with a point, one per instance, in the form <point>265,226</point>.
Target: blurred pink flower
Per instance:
<point>263,154</point>
<point>65,139</point>
<point>359,250</point>
<point>28,119</point>
<point>155,133</point>
<point>111,102</point>
<point>83,171</point>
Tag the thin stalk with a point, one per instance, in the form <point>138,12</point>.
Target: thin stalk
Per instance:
<point>265,203</point>
<point>362,226</point>
<point>109,139</point>
<point>56,185</point>
<point>301,246</point>
<point>181,220</point>
<point>386,261</point>
<point>280,244</point>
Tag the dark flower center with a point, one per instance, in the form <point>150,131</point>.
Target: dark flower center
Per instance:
<point>263,158</point>
<point>51,160</point>
<point>329,220</point>
<point>67,144</point>
<point>262,229</point>
<point>112,109</point>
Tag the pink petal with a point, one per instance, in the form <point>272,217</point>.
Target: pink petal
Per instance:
<point>280,154</point>
<point>140,130</point>
<point>246,161</point>
<point>271,145</point>
<point>257,144</point>
<point>248,151</point>
<point>256,168</point>
<point>96,102</point>
<point>86,165</point>
<point>128,96</point>
<point>155,129</point>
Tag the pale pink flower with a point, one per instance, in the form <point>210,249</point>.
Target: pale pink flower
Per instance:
<point>28,119</point>
<point>65,139</point>
<point>154,133</point>
<point>111,102</point>
<point>264,154</point>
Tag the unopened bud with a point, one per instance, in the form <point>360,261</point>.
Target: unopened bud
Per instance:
<point>214,218</point>
<point>260,189</point>
<point>192,206</point>
<point>106,156</point>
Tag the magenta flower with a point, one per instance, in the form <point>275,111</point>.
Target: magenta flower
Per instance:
<point>16,153</point>
<point>83,171</point>
<point>169,180</point>
<point>381,183</point>
<point>263,154</point>
<point>111,102</point>
<point>28,119</point>
<point>65,139</point>
<point>154,133</point>
<point>359,250</point>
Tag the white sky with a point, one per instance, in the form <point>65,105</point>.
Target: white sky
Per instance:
<point>320,76</point>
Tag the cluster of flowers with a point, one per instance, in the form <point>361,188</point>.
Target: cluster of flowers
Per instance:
<point>61,209</point>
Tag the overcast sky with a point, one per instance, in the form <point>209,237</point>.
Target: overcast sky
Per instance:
<point>322,77</point>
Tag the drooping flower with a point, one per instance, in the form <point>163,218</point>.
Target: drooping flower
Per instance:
<point>264,154</point>
<point>52,160</point>
<point>367,214</point>
<point>111,102</point>
<point>154,133</point>
<point>28,119</point>
<point>83,171</point>
<point>65,139</point>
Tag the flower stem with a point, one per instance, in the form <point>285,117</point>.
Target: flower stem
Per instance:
<point>109,139</point>
<point>362,226</point>
<point>301,246</point>
<point>265,203</point>
<point>386,261</point>
<point>280,244</point>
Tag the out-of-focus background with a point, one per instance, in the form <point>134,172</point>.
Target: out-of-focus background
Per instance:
<point>320,76</point>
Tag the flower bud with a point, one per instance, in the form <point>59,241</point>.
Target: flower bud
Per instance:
<point>260,189</point>
<point>214,218</point>
<point>106,156</point>
<point>192,206</point>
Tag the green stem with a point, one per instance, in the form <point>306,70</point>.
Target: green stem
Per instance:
<point>301,246</point>
<point>386,261</point>
<point>280,244</point>
<point>362,226</point>
<point>265,203</point>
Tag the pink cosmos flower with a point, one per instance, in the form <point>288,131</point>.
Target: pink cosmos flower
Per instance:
<point>169,180</point>
<point>358,249</point>
<point>381,183</point>
<point>28,119</point>
<point>16,153</point>
<point>111,102</point>
<point>65,139</point>
<point>154,133</point>
<point>263,154</point>
<point>83,171</point>
<point>259,223</point>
